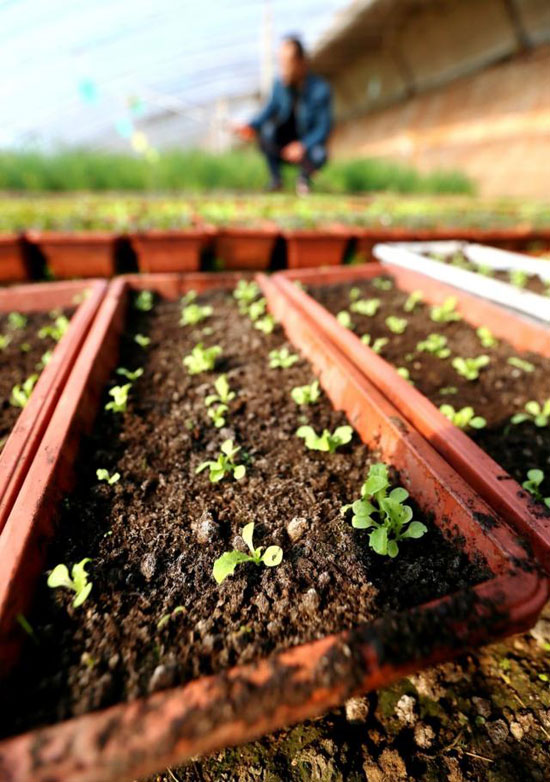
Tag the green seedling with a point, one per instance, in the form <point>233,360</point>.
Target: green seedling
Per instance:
<point>217,414</point>
<point>518,278</point>
<point>486,271</point>
<point>326,441</point>
<point>103,475</point>
<point>223,394</point>
<point>366,307</point>
<point>344,319</point>
<point>5,340</point>
<point>195,313</point>
<point>354,293</point>
<point>412,301</point>
<point>538,414</point>
<point>77,581</point>
<point>56,330</point>
<point>266,324</point>
<point>405,374</point>
<point>469,368</point>
<point>142,340</point>
<point>245,292</point>
<point>382,510</point>
<point>166,618</point>
<point>44,360</point>
<point>225,565</point>
<point>21,394</point>
<point>378,345</point>
<point>119,402</point>
<point>282,359</point>
<point>17,321</point>
<point>521,363</point>
<point>448,390</point>
<point>25,347</point>
<point>396,325</point>
<point>436,344</point>
<point>144,301</point>
<point>224,464</point>
<point>463,418</point>
<point>188,297</point>
<point>532,484</point>
<point>382,284</point>
<point>129,375</point>
<point>257,309</point>
<point>486,338</point>
<point>446,312</point>
<point>306,395</point>
<point>202,359</point>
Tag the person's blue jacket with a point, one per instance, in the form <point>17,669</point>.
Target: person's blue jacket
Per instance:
<point>313,110</point>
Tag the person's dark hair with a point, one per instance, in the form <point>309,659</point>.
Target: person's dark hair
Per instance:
<point>299,50</point>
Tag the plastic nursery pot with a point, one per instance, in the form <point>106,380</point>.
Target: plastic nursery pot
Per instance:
<point>13,267</point>
<point>514,238</point>
<point>137,738</point>
<point>82,254</point>
<point>243,247</point>
<point>499,489</point>
<point>314,247</point>
<point>168,250</point>
<point>414,256</point>
<point>25,437</point>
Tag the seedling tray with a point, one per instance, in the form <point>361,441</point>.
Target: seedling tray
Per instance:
<point>13,267</point>
<point>413,256</point>
<point>245,247</point>
<point>137,738</point>
<point>499,490</point>
<point>313,247</point>
<point>78,254</point>
<point>168,250</point>
<point>25,437</point>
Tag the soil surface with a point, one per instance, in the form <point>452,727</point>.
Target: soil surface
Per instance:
<point>21,358</point>
<point>154,535</point>
<point>500,391</point>
<point>529,282</point>
<point>483,718</point>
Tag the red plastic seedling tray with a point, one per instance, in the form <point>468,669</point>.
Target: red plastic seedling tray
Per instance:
<point>25,437</point>
<point>134,739</point>
<point>498,488</point>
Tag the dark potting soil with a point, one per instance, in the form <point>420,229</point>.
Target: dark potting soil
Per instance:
<point>531,282</point>
<point>21,358</point>
<point>153,537</point>
<point>500,391</point>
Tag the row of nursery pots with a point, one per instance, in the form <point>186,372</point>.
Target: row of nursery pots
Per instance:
<point>104,254</point>
<point>453,483</point>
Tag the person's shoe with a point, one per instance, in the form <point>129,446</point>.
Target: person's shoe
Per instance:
<point>275,186</point>
<point>303,186</point>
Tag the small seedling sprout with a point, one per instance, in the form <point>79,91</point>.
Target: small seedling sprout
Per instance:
<point>195,313</point>
<point>56,330</point>
<point>266,324</point>
<point>382,283</point>
<point>436,344</point>
<point>446,312</point>
<point>463,418</point>
<point>245,292</point>
<point>521,363</point>
<point>344,319</point>
<point>469,368</point>
<point>103,475</point>
<point>538,414</point>
<point>144,301</point>
<point>142,340</point>
<point>119,402</point>
<point>396,325</point>
<point>485,337</point>
<point>77,581</point>
<point>518,278</point>
<point>130,375</point>
<point>5,340</point>
<point>225,565</point>
<point>534,479</point>
<point>414,298</point>
<point>382,510</point>
<point>166,618</point>
<point>20,394</point>
<point>378,345</point>
<point>17,321</point>
<point>282,359</point>
<point>366,307</point>
<point>326,441</point>
<point>224,464</point>
<point>202,359</point>
<point>306,395</point>
<point>223,394</point>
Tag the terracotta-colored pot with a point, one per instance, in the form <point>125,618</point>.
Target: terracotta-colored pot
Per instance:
<point>168,250</point>
<point>514,238</point>
<point>83,254</point>
<point>24,439</point>
<point>13,267</point>
<point>134,739</point>
<point>476,467</point>
<point>242,247</point>
<point>314,247</point>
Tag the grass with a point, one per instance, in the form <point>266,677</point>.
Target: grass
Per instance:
<point>198,171</point>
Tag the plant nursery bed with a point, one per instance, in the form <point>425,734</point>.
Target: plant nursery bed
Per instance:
<point>513,372</point>
<point>40,345</point>
<point>170,660</point>
<point>313,247</point>
<point>76,254</point>
<point>176,250</point>
<point>511,279</point>
<point>244,247</point>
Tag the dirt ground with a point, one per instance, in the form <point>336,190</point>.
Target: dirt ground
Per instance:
<point>484,717</point>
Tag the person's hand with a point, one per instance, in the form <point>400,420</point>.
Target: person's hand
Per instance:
<point>245,132</point>
<point>293,152</point>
